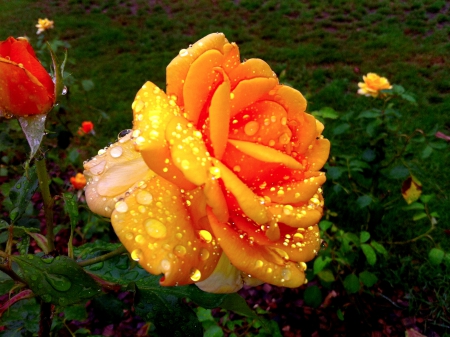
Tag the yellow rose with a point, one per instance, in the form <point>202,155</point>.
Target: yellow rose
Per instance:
<point>230,193</point>
<point>372,85</point>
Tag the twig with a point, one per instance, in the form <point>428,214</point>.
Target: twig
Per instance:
<point>102,258</point>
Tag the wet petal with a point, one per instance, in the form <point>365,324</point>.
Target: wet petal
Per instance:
<point>154,225</point>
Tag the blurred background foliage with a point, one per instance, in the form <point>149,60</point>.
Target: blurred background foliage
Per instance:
<point>321,48</point>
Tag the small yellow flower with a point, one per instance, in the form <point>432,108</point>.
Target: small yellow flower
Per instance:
<point>372,85</point>
<point>43,25</point>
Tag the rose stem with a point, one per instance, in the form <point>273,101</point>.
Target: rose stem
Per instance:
<point>44,183</point>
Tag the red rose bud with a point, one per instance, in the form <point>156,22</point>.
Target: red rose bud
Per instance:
<point>25,86</point>
<point>87,126</point>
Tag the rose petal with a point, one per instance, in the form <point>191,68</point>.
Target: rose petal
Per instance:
<point>154,225</point>
<point>249,69</point>
<point>265,154</point>
<point>247,200</point>
<point>219,117</point>
<point>153,110</point>
<point>178,69</point>
<point>256,260</point>
<point>317,154</point>
<point>188,151</point>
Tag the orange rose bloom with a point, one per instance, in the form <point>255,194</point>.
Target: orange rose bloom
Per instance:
<point>25,86</point>
<point>232,194</point>
<point>78,182</point>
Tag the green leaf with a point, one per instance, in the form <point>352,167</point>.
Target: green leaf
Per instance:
<point>351,283</point>
<point>399,172</point>
<point>213,331</point>
<point>373,113</point>
<point>368,155</point>
<point>204,315</point>
<point>71,208</point>
<point>167,312</point>
<point>427,151</point>
<point>367,278</point>
<point>414,207</point>
<point>326,275</point>
<point>369,253</point>
<point>58,280</point>
<point>364,236</point>
<point>6,283</point>
<point>234,302</point>
<point>21,193</point>
<point>419,216</point>
<point>58,71</point>
<point>320,263</point>
<point>379,248</point>
<point>436,255</point>
<point>21,319</point>
<point>341,128</point>
<point>87,85</point>
<point>95,247</point>
<point>326,112</point>
<point>335,172</point>
<point>426,198</point>
<point>75,312</point>
<point>340,314</point>
<point>364,201</point>
<point>408,97</point>
<point>313,296</point>
<point>325,224</point>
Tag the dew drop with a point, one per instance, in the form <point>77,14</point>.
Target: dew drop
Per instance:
<point>185,164</point>
<point>64,91</point>
<point>237,168</point>
<point>284,139</point>
<point>99,168</point>
<point>136,254</point>
<point>58,282</point>
<point>179,236</point>
<point>144,197</point>
<point>179,250</point>
<point>165,265</point>
<point>251,128</point>
<point>287,209</point>
<point>121,207</point>
<point>129,236</point>
<point>123,133</point>
<point>139,238</point>
<point>116,152</point>
<point>155,228</point>
<point>286,274</point>
<point>183,52</point>
<point>205,235</point>
<point>303,265</point>
<point>259,264</point>
<point>138,106</point>
<point>204,254</point>
<point>215,172</point>
<point>195,275</point>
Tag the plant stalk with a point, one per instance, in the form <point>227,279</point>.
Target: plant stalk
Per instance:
<point>44,182</point>
<point>102,258</point>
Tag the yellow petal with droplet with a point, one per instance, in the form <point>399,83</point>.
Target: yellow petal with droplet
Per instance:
<point>215,199</point>
<point>177,69</point>
<point>318,154</point>
<point>199,79</point>
<point>249,91</point>
<point>224,279</point>
<point>188,151</point>
<point>255,260</point>
<point>247,200</point>
<point>265,153</point>
<point>219,117</point>
<point>249,69</point>
<point>153,233</point>
<point>295,192</point>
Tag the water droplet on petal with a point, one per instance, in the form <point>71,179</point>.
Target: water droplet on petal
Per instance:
<point>116,152</point>
<point>139,238</point>
<point>121,207</point>
<point>179,250</point>
<point>195,275</point>
<point>259,264</point>
<point>205,235</point>
<point>155,228</point>
<point>144,197</point>
<point>251,128</point>
<point>204,254</point>
<point>183,52</point>
<point>136,254</point>
<point>129,236</point>
<point>165,265</point>
<point>286,274</point>
<point>123,133</point>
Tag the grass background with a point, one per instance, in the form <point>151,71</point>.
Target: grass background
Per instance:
<point>322,48</point>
